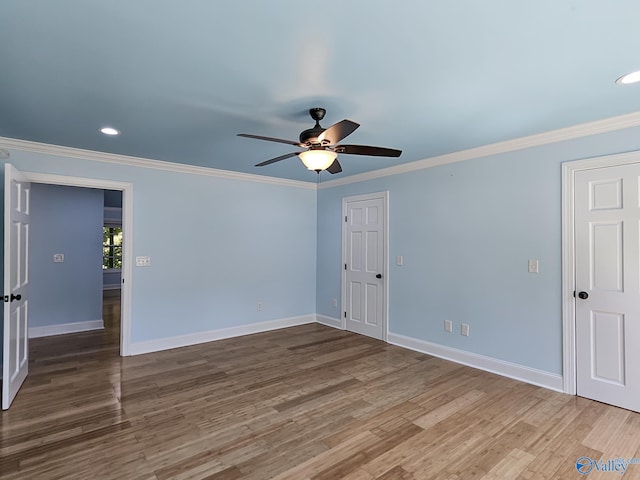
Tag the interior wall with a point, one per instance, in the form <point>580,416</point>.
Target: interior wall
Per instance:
<point>218,246</point>
<point>466,231</point>
<point>68,221</point>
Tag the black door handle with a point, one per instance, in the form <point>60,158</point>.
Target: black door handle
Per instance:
<point>583,295</point>
<point>12,298</point>
<point>379,275</point>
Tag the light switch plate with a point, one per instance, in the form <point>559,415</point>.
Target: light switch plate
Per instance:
<point>399,260</point>
<point>143,261</point>
<point>533,265</point>
<point>58,257</point>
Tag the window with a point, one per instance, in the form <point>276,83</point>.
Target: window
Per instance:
<point>112,247</point>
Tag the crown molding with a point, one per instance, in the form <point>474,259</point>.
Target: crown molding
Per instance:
<point>569,133</point>
<point>61,151</point>
<point>607,125</point>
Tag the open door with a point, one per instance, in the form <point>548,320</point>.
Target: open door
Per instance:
<point>15,364</point>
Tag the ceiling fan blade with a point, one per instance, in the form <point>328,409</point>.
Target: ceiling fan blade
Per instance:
<point>367,150</point>
<point>335,167</point>
<point>270,139</point>
<point>277,159</point>
<point>338,131</point>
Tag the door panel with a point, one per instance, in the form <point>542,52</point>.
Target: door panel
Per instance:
<point>16,282</point>
<point>607,222</point>
<point>365,257</point>
<point>607,257</point>
<point>607,348</point>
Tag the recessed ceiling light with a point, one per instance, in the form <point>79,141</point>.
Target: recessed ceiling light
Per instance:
<point>632,77</point>
<point>109,131</point>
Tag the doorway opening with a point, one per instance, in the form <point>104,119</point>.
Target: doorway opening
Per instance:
<point>116,299</point>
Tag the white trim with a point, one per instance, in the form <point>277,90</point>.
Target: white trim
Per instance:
<point>607,125</point>
<point>329,321</point>
<point>569,133</point>
<point>384,195</point>
<point>147,163</point>
<point>64,328</point>
<point>533,376</point>
<point>150,346</point>
<point>569,170</point>
<point>127,245</point>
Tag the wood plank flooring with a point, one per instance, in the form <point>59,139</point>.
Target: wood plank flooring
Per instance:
<point>308,402</point>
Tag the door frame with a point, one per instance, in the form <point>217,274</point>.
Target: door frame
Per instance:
<point>127,241</point>
<point>569,169</point>
<point>384,195</point>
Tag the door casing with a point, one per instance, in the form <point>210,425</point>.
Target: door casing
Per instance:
<point>127,225</point>
<point>385,258</point>
<point>569,367</point>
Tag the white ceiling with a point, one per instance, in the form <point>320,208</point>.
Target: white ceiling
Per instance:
<point>180,79</point>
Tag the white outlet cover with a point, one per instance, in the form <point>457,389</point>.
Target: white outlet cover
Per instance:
<point>533,265</point>
<point>58,257</point>
<point>143,261</point>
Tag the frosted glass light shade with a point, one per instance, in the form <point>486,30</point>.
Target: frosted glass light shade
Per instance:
<point>629,78</point>
<point>317,159</point>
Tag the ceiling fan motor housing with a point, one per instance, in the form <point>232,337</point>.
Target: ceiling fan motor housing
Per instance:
<point>310,136</point>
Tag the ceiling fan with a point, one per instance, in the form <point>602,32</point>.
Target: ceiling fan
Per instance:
<point>321,150</point>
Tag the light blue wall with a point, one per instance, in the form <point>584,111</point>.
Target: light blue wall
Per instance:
<point>65,220</point>
<point>217,246</point>
<point>466,231</point>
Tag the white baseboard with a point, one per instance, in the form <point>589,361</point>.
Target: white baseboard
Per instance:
<point>329,321</point>
<point>63,328</point>
<point>150,346</point>
<point>533,376</point>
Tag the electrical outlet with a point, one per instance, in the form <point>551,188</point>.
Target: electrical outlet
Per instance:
<point>259,306</point>
<point>448,326</point>
<point>464,329</point>
<point>533,265</point>
<point>143,261</point>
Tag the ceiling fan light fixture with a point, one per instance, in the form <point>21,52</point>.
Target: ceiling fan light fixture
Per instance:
<point>318,160</point>
<point>633,77</point>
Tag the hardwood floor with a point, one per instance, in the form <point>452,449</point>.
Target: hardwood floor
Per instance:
<point>307,402</point>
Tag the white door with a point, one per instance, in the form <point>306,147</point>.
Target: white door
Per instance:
<point>365,272</point>
<point>15,360</point>
<point>607,244</point>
